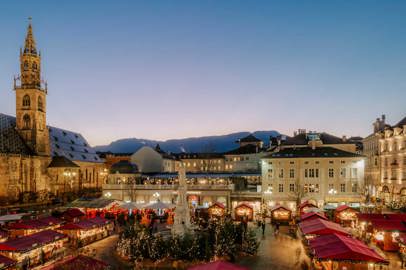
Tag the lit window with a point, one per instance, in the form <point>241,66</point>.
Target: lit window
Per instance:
<point>342,187</point>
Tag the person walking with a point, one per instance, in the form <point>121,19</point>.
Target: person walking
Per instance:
<point>263,227</point>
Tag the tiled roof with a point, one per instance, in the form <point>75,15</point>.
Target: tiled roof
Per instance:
<point>318,152</point>
<point>71,145</point>
<point>10,140</point>
<point>198,155</point>
<point>401,123</point>
<point>303,139</point>
<point>65,143</point>
<point>61,161</point>
<point>246,149</point>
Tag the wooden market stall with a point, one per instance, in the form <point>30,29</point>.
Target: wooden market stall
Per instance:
<point>243,211</point>
<point>87,231</point>
<point>316,227</point>
<point>35,248</point>
<point>73,215</point>
<point>78,263</point>
<point>217,210</point>
<point>305,206</point>
<point>312,215</point>
<point>345,215</point>
<point>7,263</point>
<point>335,251</point>
<point>27,227</point>
<point>280,215</point>
<point>382,229</point>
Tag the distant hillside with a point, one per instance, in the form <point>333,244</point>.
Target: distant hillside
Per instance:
<point>220,143</point>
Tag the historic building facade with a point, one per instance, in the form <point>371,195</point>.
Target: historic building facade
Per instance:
<point>392,152</point>
<point>313,166</point>
<point>35,157</point>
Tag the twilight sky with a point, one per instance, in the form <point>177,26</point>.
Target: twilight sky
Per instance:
<point>174,69</point>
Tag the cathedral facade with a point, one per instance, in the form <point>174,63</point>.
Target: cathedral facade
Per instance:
<point>35,157</point>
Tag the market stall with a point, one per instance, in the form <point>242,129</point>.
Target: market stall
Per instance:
<point>386,233</point>
<point>243,211</point>
<point>73,215</point>
<point>78,262</point>
<point>315,227</point>
<point>280,215</point>
<point>35,248</point>
<point>7,263</point>
<point>336,251</point>
<point>87,231</point>
<point>305,206</point>
<point>345,215</point>
<point>217,210</point>
<point>312,215</point>
<point>217,265</point>
<point>27,227</point>
<point>382,229</point>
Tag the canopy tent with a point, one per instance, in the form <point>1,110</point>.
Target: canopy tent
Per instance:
<point>159,205</point>
<point>217,265</point>
<point>343,248</point>
<point>312,215</point>
<point>99,203</point>
<point>321,227</point>
<point>132,205</point>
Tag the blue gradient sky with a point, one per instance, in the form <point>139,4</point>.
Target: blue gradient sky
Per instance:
<point>173,69</point>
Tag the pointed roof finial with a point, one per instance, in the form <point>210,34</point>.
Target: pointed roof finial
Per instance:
<point>29,39</point>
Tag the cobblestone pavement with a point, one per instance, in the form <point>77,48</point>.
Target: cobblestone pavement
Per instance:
<point>104,250</point>
<point>277,253</point>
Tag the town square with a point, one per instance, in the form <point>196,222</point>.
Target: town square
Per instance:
<point>202,135</point>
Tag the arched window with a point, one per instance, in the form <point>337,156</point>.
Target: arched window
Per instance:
<point>26,101</point>
<point>34,66</point>
<point>25,65</point>
<point>40,104</point>
<point>27,121</point>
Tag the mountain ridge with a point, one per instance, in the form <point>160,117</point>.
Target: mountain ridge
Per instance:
<point>204,144</point>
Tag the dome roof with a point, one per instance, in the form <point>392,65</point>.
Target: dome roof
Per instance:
<point>124,167</point>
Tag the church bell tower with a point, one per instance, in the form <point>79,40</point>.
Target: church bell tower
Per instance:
<point>31,94</point>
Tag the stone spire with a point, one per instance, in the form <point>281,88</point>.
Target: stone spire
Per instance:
<point>30,62</point>
<point>29,46</point>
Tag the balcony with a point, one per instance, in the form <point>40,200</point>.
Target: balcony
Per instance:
<point>167,187</point>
